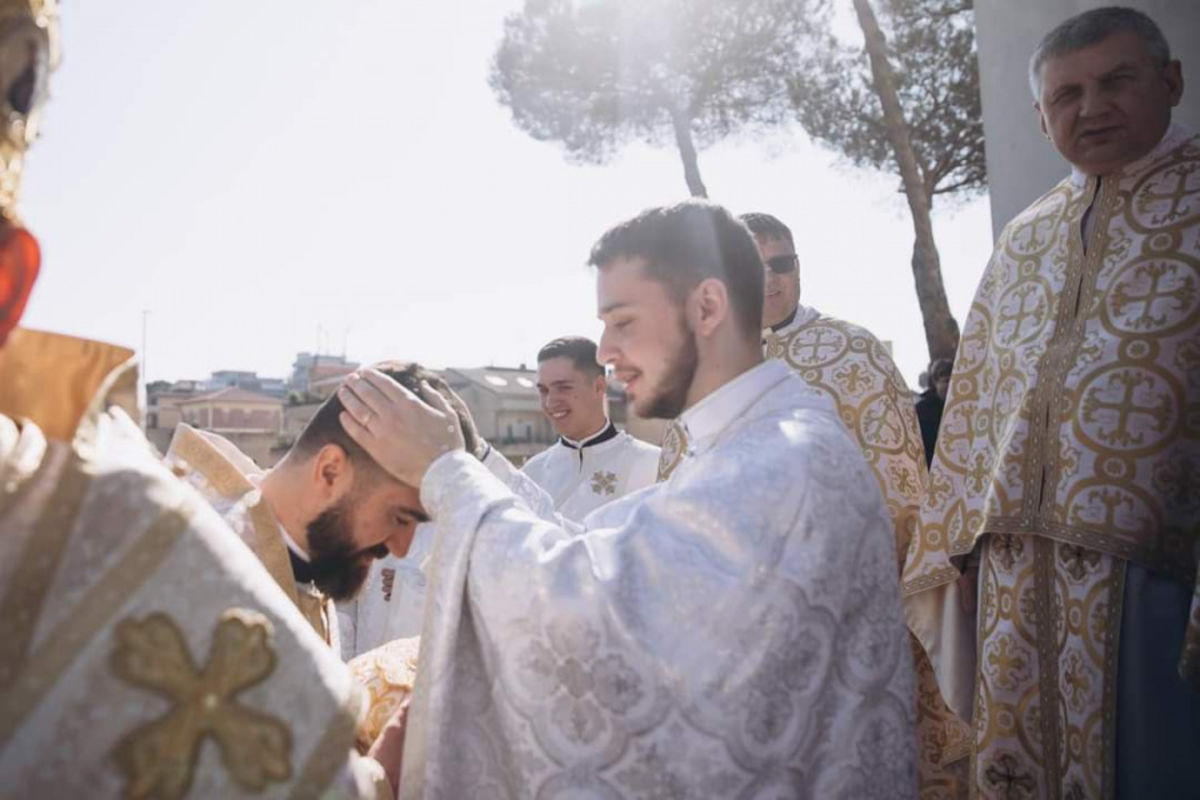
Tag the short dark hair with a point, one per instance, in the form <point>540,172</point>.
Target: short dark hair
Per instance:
<point>325,427</point>
<point>766,226</point>
<point>687,243</point>
<point>1086,29</point>
<point>580,349</point>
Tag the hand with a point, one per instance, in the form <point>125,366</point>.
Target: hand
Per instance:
<point>388,748</point>
<point>400,432</point>
<point>470,429</point>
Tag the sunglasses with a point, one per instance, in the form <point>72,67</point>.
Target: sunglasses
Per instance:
<point>782,265</point>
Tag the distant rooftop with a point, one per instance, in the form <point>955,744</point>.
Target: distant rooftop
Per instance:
<point>513,381</point>
<point>233,394</point>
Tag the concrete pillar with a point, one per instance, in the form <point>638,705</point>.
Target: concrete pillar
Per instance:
<point>1022,164</point>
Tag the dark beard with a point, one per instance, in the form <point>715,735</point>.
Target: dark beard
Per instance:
<point>670,395</point>
<point>337,568</point>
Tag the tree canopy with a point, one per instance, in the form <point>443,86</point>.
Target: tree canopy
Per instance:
<point>931,46</point>
<point>595,75</point>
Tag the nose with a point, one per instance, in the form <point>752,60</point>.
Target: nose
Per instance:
<point>1094,101</point>
<point>605,351</point>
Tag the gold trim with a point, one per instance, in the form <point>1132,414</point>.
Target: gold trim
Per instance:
<point>1048,657</point>
<point>89,616</point>
<point>1112,634</point>
<point>203,456</point>
<point>271,550</point>
<point>331,752</point>
<point>21,607</point>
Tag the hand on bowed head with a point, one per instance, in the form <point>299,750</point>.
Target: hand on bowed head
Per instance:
<point>400,432</point>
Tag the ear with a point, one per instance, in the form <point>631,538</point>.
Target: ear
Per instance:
<point>20,260</point>
<point>1037,109</point>
<point>1173,75</point>
<point>708,306</point>
<point>331,473</point>
<point>600,385</point>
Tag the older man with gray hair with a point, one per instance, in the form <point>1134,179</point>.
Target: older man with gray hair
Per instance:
<point>1066,479</point>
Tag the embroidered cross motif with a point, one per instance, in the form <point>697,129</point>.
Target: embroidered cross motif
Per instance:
<point>1139,308</point>
<point>158,759</point>
<point>1023,310</point>
<point>1174,197</point>
<point>1005,776</point>
<point>815,347</point>
<point>1124,407</point>
<point>604,483</point>
<point>1008,661</point>
<point>854,378</point>
<point>1033,238</point>
<point>389,581</point>
<point>1076,560</point>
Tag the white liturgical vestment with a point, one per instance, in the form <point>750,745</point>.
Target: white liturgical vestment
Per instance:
<point>582,476</point>
<point>144,650</point>
<point>391,603</point>
<point>724,634</point>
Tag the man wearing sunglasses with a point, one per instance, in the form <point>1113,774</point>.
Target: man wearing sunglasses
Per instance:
<point>851,367</point>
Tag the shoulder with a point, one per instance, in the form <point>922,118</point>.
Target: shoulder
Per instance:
<point>637,446</point>
<point>540,461</point>
<point>1046,209</point>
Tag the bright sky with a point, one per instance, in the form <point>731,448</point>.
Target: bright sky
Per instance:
<point>265,175</point>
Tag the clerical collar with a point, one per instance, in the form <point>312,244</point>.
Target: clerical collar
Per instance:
<point>801,316</point>
<point>609,431</point>
<point>302,568</point>
<point>715,412</point>
<point>777,327</point>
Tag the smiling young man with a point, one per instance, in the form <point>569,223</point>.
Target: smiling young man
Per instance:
<point>320,517</point>
<point>592,462</point>
<point>1064,478</point>
<point>725,633</point>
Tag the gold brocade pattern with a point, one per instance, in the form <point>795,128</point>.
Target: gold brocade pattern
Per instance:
<point>1049,621</point>
<point>386,674</point>
<point>1072,409</point>
<point>1071,432</point>
<point>850,366</point>
<point>671,451</point>
<point>159,758</point>
<point>853,369</point>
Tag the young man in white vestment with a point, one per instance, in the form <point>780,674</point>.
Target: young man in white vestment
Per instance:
<point>847,364</point>
<point>734,631</point>
<point>144,651</point>
<point>1065,478</point>
<point>592,462</point>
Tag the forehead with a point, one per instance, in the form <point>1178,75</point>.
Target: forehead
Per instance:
<point>559,368</point>
<point>624,284</point>
<point>389,493</point>
<point>1124,47</point>
<point>771,246</point>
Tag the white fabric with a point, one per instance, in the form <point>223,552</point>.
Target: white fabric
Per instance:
<point>391,604</point>
<point>733,632</point>
<point>581,479</point>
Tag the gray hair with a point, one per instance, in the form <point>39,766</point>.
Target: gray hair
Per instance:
<point>1086,29</point>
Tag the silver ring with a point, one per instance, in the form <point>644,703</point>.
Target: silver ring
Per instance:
<point>367,419</point>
